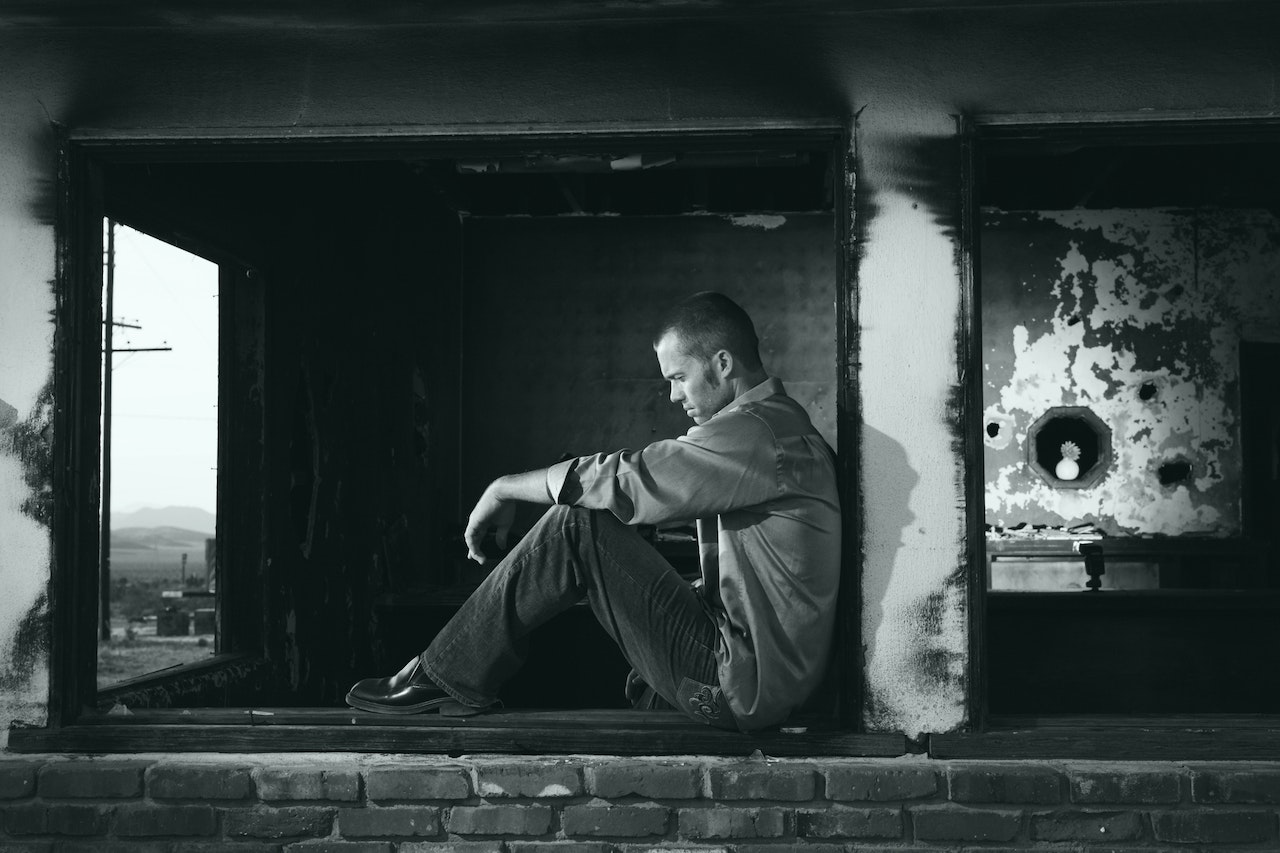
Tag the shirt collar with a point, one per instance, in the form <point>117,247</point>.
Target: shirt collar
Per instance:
<point>767,388</point>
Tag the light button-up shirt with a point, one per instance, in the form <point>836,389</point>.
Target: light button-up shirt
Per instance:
<point>760,482</point>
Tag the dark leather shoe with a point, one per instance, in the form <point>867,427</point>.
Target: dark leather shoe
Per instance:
<point>409,691</point>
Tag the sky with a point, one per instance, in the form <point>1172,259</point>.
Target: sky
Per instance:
<point>164,413</point>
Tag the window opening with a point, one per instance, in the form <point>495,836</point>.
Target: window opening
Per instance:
<point>1124,282</point>
<point>357,296</point>
<point>159,457</point>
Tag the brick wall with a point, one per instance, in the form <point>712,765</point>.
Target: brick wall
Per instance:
<point>344,802</point>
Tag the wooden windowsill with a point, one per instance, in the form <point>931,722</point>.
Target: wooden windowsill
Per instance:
<point>344,730</point>
<point>1118,738</point>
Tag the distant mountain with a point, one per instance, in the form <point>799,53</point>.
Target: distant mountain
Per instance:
<point>157,538</point>
<point>182,517</point>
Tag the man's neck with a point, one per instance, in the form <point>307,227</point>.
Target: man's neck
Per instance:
<point>743,384</point>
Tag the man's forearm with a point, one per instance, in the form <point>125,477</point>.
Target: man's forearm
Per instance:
<point>530,487</point>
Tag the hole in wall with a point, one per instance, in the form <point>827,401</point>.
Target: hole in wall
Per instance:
<point>999,430</point>
<point>1056,432</point>
<point>1147,391</point>
<point>1069,447</point>
<point>1174,472</point>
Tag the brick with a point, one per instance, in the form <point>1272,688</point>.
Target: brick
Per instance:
<point>57,819</point>
<point>644,779</point>
<point>500,820</point>
<point>880,783</point>
<point>39,847</point>
<point>849,822</point>
<point>559,847</point>
<point>813,847</point>
<point>664,847</point>
<point>729,822</point>
<point>1209,827</point>
<point>384,784</point>
<point>90,779</point>
<point>193,846</point>
<point>287,822</point>
<point>1005,785</point>
<point>143,820</point>
<point>1235,786</point>
<point>449,847</point>
<point>382,822</point>
<point>99,845</point>
<point>24,820</point>
<point>791,783</point>
<point>328,846</point>
<point>17,780</point>
<point>948,823</point>
<point>1125,787</point>
<point>627,821</point>
<point>284,784</point>
<point>1086,826</point>
<point>194,782</point>
<point>529,780</point>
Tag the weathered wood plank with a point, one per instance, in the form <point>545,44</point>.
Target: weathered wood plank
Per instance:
<point>453,739</point>
<point>1119,743</point>
<point>597,719</point>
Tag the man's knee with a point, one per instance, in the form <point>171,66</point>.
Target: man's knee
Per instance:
<point>579,515</point>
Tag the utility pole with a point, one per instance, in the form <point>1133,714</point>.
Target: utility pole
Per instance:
<point>108,349</point>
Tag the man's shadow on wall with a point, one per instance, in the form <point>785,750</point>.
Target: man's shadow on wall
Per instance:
<point>887,481</point>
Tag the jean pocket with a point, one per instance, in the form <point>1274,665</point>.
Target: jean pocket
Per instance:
<point>704,703</point>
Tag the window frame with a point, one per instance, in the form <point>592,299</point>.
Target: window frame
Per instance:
<point>75,725</point>
<point>1101,736</point>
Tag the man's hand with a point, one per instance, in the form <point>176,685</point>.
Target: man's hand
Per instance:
<point>491,513</point>
<point>496,509</point>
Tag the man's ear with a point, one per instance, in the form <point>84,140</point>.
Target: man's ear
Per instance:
<point>722,362</point>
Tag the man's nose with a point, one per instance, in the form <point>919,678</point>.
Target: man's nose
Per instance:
<point>676,394</point>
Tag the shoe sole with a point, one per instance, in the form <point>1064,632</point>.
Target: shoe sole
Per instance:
<point>447,707</point>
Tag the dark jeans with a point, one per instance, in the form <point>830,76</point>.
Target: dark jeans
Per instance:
<point>658,620</point>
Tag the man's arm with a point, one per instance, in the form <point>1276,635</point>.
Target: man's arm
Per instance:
<point>497,508</point>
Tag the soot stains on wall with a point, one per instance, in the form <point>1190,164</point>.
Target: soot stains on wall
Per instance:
<point>1137,315</point>
<point>25,455</point>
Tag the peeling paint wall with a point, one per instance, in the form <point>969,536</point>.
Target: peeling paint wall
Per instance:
<point>1137,315</point>
<point>272,71</point>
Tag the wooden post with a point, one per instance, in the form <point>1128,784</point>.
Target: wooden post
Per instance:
<point>104,557</point>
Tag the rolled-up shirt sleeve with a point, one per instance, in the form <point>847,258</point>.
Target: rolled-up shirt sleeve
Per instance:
<point>726,464</point>
<point>561,485</point>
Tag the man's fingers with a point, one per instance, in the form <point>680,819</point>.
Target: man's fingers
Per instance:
<point>472,538</point>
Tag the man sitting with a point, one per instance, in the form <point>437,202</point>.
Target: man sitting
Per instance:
<point>741,648</point>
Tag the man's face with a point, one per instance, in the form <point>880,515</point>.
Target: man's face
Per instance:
<point>695,384</point>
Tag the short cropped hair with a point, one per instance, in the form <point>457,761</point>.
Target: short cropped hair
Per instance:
<point>708,322</point>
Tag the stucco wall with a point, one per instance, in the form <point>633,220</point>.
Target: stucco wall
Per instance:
<point>904,74</point>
